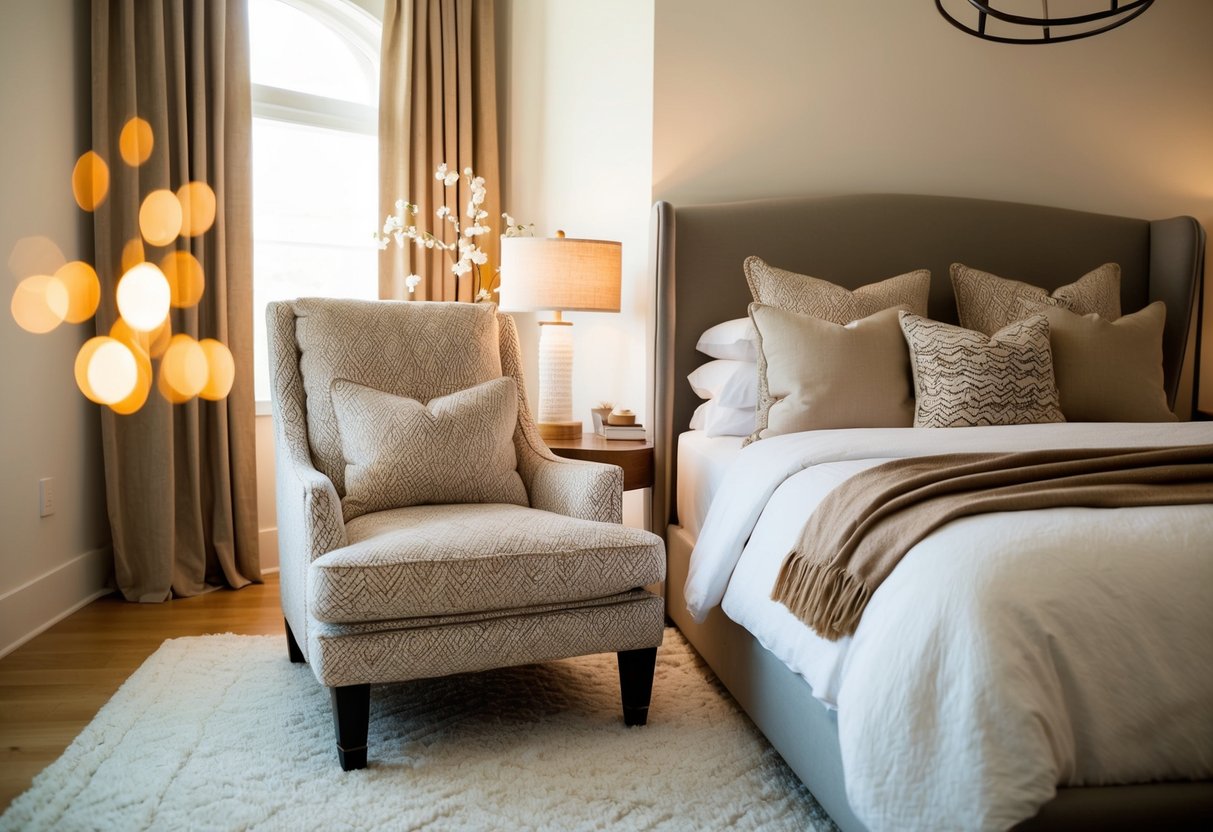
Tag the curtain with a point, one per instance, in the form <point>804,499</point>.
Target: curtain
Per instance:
<point>437,103</point>
<point>180,479</point>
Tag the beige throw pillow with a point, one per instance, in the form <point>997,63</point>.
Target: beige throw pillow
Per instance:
<point>963,378</point>
<point>400,452</point>
<point>825,375</point>
<point>827,301</point>
<point>987,302</point>
<point>1108,371</point>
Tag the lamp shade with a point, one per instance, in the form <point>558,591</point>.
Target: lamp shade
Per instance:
<point>560,274</point>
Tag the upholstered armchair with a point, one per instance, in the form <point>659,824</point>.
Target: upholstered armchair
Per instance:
<point>377,588</point>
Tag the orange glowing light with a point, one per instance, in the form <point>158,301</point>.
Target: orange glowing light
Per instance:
<point>35,255</point>
<point>143,386</point>
<point>160,217</point>
<point>132,254</point>
<point>39,303</point>
<point>197,208</point>
<point>90,181</point>
<point>83,290</point>
<point>185,278</point>
<point>106,370</point>
<point>222,370</point>
<point>184,369</point>
<point>143,297</point>
<point>135,142</point>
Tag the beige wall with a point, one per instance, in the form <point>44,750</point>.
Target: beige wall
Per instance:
<point>576,80</point>
<point>784,97</point>
<point>48,566</point>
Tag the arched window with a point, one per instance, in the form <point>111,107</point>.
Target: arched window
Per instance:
<point>315,76</point>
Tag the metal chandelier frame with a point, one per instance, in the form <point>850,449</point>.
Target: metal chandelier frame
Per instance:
<point>1117,15</point>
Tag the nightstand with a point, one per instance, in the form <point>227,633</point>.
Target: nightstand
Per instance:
<point>634,456</point>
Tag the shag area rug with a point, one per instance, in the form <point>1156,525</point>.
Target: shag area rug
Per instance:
<point>222,732</point>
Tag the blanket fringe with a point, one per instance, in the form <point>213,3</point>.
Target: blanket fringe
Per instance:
<point>827,598</point>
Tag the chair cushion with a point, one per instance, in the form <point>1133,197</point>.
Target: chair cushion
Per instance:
<point>400,452</point>
<point>418,350</point>
<point>452,559</point>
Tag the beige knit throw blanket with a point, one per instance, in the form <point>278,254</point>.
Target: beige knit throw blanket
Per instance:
<point>864,527</point>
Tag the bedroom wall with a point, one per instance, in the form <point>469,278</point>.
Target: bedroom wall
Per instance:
<point>794,98</point>
<point>49,566</point>
<point>576,84</point>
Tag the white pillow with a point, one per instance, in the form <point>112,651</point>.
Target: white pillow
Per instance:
<point>731,383</point>
<point>716,420</point>
<point>735,339</point>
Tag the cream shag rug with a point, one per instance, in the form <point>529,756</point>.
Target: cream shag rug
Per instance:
<point>222,732</point>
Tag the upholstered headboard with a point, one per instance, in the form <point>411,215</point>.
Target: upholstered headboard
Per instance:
<point>697,252</point>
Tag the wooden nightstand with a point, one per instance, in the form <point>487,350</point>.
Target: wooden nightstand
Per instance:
<point>634,456</point>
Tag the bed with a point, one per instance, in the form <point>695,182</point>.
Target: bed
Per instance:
<point>697,252</point>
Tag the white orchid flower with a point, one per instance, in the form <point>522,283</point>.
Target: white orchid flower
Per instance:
<point>440,172</point>
<point>411,282</point>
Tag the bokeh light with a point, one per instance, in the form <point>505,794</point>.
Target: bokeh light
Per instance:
<point>143,297</point>
<point>197,208</point>
<point>185,276</point>
<point>184,369</point>
<point>39,303</point>
<point>143,386</point>
<point>135,142</point>
<point>221,370</point>
<point>132,254</point>
<point>160,217</point>
<point>106,370</point>
<point>90,181</point>
<point>35,255</point>
<point>83,290</point>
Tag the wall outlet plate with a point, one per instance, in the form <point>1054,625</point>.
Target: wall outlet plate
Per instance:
<point>46,496</point>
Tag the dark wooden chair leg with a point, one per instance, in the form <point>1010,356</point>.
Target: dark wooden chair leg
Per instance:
<point>292,646</point>
<point>351,718</point>
<point>636,683</point>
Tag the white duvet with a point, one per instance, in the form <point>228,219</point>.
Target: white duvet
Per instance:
<point>1007,653</point>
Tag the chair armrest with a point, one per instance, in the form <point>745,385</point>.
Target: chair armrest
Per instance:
<point>309,513</point>
<point>586,490</point>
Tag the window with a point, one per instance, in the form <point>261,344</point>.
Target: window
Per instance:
<point>315,75</point>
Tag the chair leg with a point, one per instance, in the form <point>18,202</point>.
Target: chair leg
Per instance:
<point>636,683</point>
<point>292,646</point>
<point>351,718</point>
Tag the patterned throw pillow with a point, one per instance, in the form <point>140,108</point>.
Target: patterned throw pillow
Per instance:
<point>963,378</point>
<point>986,302</point>
<point>400,452</point>
<point>821,299</point>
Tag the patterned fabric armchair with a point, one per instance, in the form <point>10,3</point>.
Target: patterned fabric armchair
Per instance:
<point>433,590</point>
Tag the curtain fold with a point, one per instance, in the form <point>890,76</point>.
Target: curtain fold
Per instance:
<point>180,479</point>
<point>437,103</point>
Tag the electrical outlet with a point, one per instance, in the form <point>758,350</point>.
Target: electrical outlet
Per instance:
<point>46,496</point>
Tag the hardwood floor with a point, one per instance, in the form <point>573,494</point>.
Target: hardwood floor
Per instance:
<point>52,686</point>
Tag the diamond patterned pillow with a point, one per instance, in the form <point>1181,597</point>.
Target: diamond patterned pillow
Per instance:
<point>826,301</point>
<point>986,302</point>
<point>399,452</point>
<point>963,378</point>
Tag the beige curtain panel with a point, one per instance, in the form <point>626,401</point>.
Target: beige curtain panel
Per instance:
<point>180,479</point>
<point>437,103</point>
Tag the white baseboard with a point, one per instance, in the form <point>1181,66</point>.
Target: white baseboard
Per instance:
<point>267,546</point>
<point>39,604</point>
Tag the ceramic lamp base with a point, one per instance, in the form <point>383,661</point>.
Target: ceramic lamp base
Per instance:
<point>559,430</point>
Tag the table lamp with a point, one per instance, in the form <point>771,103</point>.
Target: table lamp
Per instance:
<point>561,275</point>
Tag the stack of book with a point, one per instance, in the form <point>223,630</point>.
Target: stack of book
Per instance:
<point>620,431</point>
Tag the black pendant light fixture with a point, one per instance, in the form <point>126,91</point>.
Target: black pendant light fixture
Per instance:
<point>1016,28</point>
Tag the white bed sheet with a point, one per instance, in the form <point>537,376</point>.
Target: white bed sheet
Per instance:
<point>944,683</point>
<point>703,465</point>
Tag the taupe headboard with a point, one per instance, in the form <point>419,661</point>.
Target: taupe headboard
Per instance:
<point>697,252</point>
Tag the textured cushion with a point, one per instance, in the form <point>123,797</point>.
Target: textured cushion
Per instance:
<point>825,375</point>
<point>419,350</point>
<point>964,378</point>
<point>442,560</point>
<point>829,302</point>
<point>455,449</point>
<point>987,303</point>
<point>1108,371</point>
